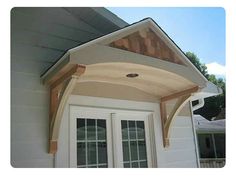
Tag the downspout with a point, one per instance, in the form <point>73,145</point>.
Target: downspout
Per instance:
<point>200,104</point>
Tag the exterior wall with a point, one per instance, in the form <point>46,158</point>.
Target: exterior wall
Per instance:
<point>181,153</point>
<point>39,36</point>
<point>182,150</point>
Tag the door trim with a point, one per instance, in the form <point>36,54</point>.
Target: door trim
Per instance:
<point>113,117</point>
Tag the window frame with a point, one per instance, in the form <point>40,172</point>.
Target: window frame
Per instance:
<point>212,135</point>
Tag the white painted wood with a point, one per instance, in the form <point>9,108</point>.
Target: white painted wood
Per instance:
<point>24,81</point>
<point>114,137</point>
<point>24,153</point>
<point>181,132</point>
<point>23,131</point>
<point>88,113</point>
<point>23,97</point>
<point>38,115</point>
<point>132,115</point>
<point>152,140</point>
<point>184,164</point>
<point>182,143</point>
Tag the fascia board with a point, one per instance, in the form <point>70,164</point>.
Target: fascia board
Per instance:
<point>208,91</point>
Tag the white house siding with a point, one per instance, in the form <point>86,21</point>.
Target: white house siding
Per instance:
<point>182,150</point>
<point>181,153</point>
<point>39,36</point>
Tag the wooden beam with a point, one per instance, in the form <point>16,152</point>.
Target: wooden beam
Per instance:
<point>56,115</point>
<point>60,90</point>
<point>166,122</point>
<point>182,98</point>
<point>77,69</point>
<point>177,108</point>
<point>52,147</point>
<point>163,121</point>
<point>179,94</point>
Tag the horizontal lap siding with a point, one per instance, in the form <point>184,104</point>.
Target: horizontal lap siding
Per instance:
<point>26,81</point>
<point>181,152</point>
<point>39,37</point>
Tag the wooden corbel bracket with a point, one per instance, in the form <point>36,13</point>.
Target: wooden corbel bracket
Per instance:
<point>60,89</point>
<point>182,98</point>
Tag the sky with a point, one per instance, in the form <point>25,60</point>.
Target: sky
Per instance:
<point>199,30</point>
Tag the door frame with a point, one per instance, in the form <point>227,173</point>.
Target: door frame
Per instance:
<point>117,139</point>
<point>62,158</point>
<point>114,136</point>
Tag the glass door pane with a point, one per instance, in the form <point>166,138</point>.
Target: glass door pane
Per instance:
<point>91,143</point>
<point>134,144</point>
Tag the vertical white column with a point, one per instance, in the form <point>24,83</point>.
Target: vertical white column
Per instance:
<point>116,141</point>
<point>152,140</point>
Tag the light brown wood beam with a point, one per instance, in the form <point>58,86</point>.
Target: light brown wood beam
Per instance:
<point>60,90</point>
<point>166,120</point>
<point>163,121</point>
<point>77,69</point>
<point>179,94</point>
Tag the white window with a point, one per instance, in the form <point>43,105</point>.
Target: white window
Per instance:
<point>109,138</point>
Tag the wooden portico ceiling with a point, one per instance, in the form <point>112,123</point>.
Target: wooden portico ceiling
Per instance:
<point>138,46</point>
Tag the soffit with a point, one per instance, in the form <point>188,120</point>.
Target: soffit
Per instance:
<point>150,80</point>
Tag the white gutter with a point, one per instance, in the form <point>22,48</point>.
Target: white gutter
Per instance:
<point>200,104</point>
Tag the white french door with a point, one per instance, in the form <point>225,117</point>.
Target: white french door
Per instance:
<point>109,138</point>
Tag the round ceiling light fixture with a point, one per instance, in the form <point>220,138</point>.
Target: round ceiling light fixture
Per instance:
<point>132,75</point>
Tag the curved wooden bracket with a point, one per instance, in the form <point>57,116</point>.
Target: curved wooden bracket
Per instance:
<point>182,98</point>
<point>60,90</point>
